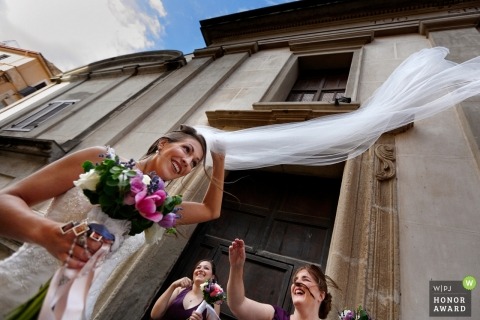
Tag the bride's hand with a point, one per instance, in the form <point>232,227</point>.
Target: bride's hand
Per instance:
<point>218,158</point>
<point>67,247</point>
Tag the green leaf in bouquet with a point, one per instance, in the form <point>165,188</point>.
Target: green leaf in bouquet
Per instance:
<point>92,196</point>
<point>30,310</point>
<point>87,166</point>
<point>138,225</point>
<point>171,202</point>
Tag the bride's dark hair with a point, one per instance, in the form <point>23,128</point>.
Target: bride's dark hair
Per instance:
<point>181,134</point>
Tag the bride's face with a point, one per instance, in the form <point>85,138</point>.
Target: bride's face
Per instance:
<point>177,159</point>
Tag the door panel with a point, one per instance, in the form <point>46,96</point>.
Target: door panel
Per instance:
<point>285,220</point>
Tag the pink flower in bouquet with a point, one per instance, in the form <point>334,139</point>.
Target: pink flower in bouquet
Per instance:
<point>137,185</point>
<point>215,291</point>
<point>147,204</point>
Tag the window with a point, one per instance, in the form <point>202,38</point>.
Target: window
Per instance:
<point>321,78</point>
<point>4,56</point>
<point>34,120</point>
<point>324,86</point>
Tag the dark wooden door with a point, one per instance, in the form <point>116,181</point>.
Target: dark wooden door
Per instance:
<point>285,221</point>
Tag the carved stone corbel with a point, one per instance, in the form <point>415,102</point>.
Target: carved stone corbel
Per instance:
<point>385,166</point>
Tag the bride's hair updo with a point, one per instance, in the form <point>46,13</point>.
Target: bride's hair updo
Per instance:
<point>321,280</point>
<point>179,135</point>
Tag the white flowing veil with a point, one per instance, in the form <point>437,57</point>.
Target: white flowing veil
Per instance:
<point>423,85</point>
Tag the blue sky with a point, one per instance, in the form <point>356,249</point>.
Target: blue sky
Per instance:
<point>72,33</point>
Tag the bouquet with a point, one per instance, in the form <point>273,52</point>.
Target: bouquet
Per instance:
<point>212,294</point>
<point>126,193</point>
<point>359,314</point>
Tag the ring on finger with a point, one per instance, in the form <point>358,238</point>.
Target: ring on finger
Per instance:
<point>81,241</point>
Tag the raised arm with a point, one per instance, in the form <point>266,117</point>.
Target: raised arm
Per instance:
<point>165,300</point>
<point>210,207</point>
<point>19,222</point>
<point>242,307</point>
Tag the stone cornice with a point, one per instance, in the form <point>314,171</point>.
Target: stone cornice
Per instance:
<point>135,63</point>
<point>265,113</point>
<point>308,14</point>
<point>48,149</point>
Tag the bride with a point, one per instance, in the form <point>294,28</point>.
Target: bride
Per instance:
<point>46,248</point>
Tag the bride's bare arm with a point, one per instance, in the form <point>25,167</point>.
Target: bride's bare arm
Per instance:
<point>19,222</point>
<point>211,205</point>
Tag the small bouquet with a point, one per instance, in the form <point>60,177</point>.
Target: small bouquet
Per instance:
<point>212,294</point>
<point>126,193</point>
<point>359,314</point>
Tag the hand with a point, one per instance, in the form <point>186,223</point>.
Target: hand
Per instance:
<point>182,283</point>
<point>236,253</point>
<point>218,145</point>
<point>67,247</point>
<point>218,158</point>
<point>196,316</point>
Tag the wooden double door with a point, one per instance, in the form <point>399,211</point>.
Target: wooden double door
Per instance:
<point>285,220</point>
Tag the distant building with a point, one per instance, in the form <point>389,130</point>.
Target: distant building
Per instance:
<point>22,72</point>
<point>382,225</point>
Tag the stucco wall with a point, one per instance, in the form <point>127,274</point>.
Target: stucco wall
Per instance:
<point>438,201</point>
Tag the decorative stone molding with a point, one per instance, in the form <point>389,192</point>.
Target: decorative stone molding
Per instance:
<point>250,48</point>
<point>385,166</point>
<point>135,63</point>
<point>48,149</point>
<point>212,52</point>
<point>449,23</point>
<point>265,113</point>
<point>352,40</point>
<point>364,252</point>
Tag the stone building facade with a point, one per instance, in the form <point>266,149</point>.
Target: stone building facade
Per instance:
<point>401,214</point>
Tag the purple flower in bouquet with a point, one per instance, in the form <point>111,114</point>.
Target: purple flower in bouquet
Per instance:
<point>169,219</point>
<point>359,314</point>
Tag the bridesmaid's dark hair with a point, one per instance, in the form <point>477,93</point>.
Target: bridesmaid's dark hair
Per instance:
<point>321,280</point>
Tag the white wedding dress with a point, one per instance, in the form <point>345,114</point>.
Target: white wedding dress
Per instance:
<point>22,274</point>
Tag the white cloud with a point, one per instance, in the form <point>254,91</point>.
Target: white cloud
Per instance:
<point>74,33</point>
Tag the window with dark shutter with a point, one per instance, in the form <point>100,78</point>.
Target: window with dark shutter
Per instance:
<point>34,120</point>
<point>326,86</point>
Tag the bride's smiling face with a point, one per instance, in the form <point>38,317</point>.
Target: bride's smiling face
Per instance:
<point>177,159</point>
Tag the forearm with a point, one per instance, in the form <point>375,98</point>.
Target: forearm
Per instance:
<point>210,207</point>
<point>213,196</point>
<point>235,289</point>
<point>19,222</point>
